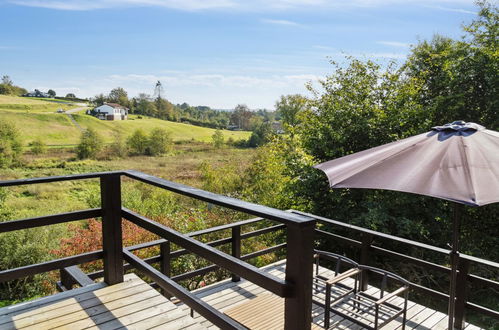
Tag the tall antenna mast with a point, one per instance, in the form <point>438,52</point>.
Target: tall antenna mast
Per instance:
<point>158,90</point>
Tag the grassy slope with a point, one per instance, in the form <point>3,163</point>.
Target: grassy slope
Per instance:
<point>36,118</point>
<point>30,105</point>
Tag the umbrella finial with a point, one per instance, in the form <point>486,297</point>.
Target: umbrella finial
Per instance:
<point>459,126</point>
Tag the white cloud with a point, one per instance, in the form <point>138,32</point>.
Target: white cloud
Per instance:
<point>394,44</point>
<point>456,10</point>
<point>280,22</point>
<point>101,4</point>
<point>251,5</point>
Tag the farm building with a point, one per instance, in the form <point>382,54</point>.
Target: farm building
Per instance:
<point>111,111</point>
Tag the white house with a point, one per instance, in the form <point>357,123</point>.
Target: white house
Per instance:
<point>111,111</point>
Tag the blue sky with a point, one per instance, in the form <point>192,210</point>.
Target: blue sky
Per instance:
<point>208,52</point>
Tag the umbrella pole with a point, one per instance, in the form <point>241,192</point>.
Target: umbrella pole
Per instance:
<point>454,259</point>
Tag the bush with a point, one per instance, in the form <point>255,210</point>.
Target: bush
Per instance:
<point>119,147</point>
<point>218,139</point>
<point>90,144</point>
<point>38,147</point>
<point>10,144</point>
<point>138,142</point>
<point>160,142</point>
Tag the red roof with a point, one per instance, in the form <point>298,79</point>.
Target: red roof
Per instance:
<point>116,105</point>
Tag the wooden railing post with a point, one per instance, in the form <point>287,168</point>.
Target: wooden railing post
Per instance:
<point>461,293</point>
<point>299,273</point>
<point>165,266</point>
<point>112,242</point>
<point>367,240</point>
<point>236,248</point>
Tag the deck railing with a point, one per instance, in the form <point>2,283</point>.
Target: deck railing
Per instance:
<point>296,289</point>
<point>298,229</point>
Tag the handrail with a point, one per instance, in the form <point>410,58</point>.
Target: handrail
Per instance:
<point>228,202</point>
<point>374,233</point>
<point>20,182</point>
<point>49,220</point>
<point>252,273</point>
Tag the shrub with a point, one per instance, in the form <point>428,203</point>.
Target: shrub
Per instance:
<point>137,142</point>
<point>38,147</point>
<point>160,142</point>
<point>90,144</point>
<point>119,147</point>
<point>10,144</point>
<point>218,139</point>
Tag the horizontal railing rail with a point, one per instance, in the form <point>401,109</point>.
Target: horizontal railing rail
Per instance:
<point>252,273</point>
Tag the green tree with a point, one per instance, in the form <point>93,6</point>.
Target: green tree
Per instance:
<point>10,144</point>
<point>159,142</point>
<point>90,144</point>
<point>70,96</point>
<point>260,135</point>
<point>138,142</point>
<point>289,107</point>
<point>52,93</point>
<point>218,139</point>
<point>118,95</point>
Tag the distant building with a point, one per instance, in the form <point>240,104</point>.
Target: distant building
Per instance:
<point>37,93</point>
<point>111,111</point>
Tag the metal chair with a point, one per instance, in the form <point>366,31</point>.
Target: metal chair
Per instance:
<point>334,288</point>
<point>374,311</point>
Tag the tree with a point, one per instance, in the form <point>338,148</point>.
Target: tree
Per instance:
<point>10,144</point>
<point>7,81</point>
<point>138,142</point>
<point>70,96</point>
<point>99,99</point>
<point>241,117</point>
<point>51,92</point>
<point>118,95</point>
<point>160,142</point>
<point>218,139</point>
<point>90,144</point>
<point>289,107</point>
<point>260,135</point>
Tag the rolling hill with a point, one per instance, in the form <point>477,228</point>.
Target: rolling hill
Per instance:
<point>38,119</point>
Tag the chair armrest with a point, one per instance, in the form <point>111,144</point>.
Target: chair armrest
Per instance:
<point>391,295</point>
<point>343,276</point>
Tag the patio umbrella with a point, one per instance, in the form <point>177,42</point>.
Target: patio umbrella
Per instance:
<point>458,162</point>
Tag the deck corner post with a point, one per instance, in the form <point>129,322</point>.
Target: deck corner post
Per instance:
<point>236,248</point>
<point>112,241</point>
<point>299,273</point>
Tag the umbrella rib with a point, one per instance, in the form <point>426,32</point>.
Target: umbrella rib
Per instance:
<point>467,168</point>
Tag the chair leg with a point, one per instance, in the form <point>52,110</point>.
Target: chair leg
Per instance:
<point>404,319</point>
<point>376,318</point>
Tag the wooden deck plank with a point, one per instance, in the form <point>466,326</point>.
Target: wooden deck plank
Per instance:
<point>132,304</point>
<point>76,297</point>
<point>77,310</point>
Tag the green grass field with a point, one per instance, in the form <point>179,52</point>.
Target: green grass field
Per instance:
<point>30,105</point>
<point>37,119</point>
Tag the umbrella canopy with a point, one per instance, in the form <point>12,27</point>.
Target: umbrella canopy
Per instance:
<point>457,162</point>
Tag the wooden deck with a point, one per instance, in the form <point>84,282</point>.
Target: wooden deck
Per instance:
<point>231,298</point>
<point>132,304</point>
